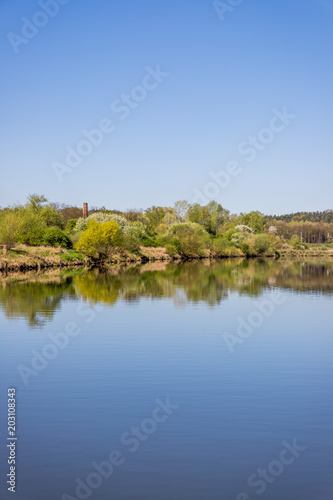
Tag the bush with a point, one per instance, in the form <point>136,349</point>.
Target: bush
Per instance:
<point>175,242</point>
<point>99,240</point>
<point>149,242</point>
<point>55,237</point>
<point>136,229</point>
<point>171,250</point>
<point>190,244</point>
<point>295,242</point>
<point>245,247</point>
<point>130,243</point>
<point>162,228</point>
<point>229,234</point>
<point>238,239</point>
<point>71,223</point>
<point>190,239</point>
<point>262,243</point>
<point>222,247</point>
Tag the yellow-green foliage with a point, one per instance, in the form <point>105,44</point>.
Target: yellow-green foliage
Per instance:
<point>10,226</point>
<point>99,239</point>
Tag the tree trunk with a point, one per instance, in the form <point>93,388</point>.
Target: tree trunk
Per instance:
<point>5,249</point>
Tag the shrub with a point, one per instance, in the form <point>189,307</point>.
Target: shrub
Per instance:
<point>229,234</point>
<point>162,228</point>
<point>222,247</point>
<point>175,242</point>
<point>55,237</point>
<point>99,239</point>
<point>149,242</point>
<point>262,243</point>
<point>171,250</point>
<point>295,242</point>
<point>190,238</point>
<point>245,247</point>
<point>71,224</point>
<point>130,243</point>
<point>136,229</point>
<point>238,239</point>
<point>190,244</point>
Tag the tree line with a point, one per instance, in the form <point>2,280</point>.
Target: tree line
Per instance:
<point>326,217</point>
<point>184,229</point>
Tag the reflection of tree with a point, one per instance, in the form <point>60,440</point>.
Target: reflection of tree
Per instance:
<point>97,287</point>
<point>210,282</point>
<point>307,276</point>
<point>34,301</point>
<point>201,281</point>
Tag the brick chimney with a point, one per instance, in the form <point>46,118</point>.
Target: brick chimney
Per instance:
<point>85,210</point>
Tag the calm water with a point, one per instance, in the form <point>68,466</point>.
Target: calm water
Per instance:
<point>191,378</point>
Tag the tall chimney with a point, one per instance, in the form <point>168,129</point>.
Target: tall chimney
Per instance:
<point>85,210</point>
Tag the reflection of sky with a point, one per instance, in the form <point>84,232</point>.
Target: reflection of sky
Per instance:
<point>235,409</point>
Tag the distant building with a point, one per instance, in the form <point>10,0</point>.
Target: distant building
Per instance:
<point>85,210</point>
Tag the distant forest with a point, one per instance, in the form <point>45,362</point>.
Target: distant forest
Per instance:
<point>310,227</point>
<point>325,216</point>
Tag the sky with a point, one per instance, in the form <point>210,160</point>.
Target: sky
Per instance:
<point>140,103</point>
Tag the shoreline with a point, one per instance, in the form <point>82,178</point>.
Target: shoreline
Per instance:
<point>22,258</point>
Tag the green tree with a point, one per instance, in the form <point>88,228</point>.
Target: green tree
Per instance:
<point>198,214</point>
<point>10,227</point>
<point>254,219</point>
<point>212,216</point>
<point>154,216</point>
<point>32,228</point>
<point>48,212</point>
<point>51,216</point>
<point>36,201</point>
<point>180,208</point>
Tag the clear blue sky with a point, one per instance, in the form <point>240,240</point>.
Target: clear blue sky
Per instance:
<point>225,79</point>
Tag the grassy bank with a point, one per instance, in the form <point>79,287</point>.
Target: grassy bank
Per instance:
<point>25,258</point>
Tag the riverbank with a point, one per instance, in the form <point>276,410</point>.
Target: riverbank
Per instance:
<point>26,258</point>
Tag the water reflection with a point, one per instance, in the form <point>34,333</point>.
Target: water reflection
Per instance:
<point>36,297</point>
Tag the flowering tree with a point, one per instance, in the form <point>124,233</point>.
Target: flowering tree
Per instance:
<point>82,224</point>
